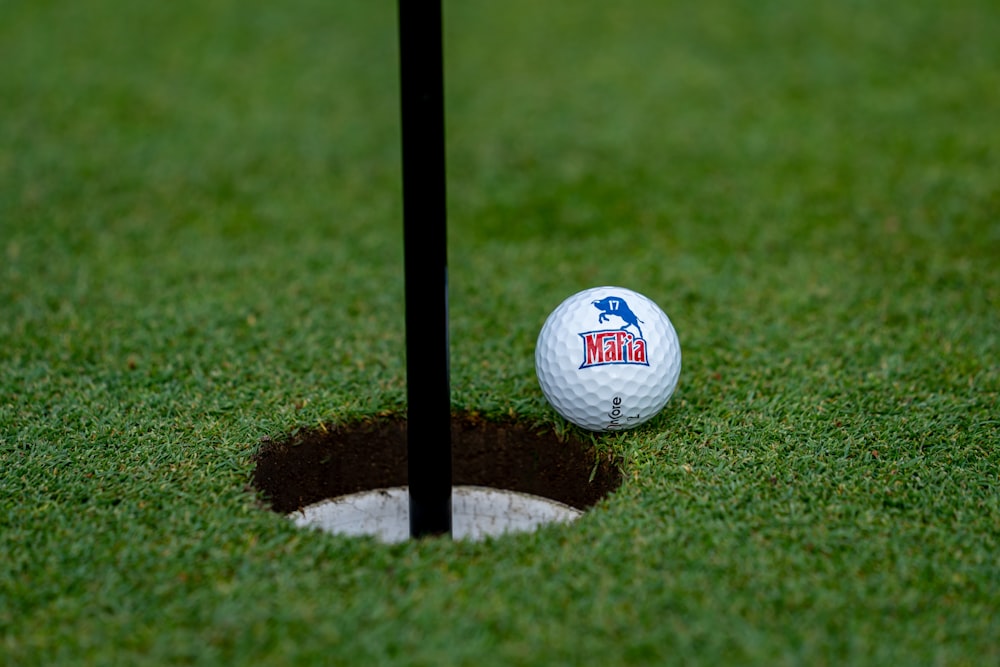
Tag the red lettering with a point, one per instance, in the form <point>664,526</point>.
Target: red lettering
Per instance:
<point>612,347</point>
<point>594,352</point>
<point>639,351</point>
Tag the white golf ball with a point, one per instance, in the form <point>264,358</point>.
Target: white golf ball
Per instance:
<point>608,359</point>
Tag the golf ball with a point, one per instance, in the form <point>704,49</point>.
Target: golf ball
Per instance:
<point>608,359</point>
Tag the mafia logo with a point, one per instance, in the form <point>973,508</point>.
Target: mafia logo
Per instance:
<point>614,346</point>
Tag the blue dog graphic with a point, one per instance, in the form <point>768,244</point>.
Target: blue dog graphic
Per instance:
<point>613,305</point>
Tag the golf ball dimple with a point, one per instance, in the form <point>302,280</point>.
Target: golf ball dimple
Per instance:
<point>608,359</point>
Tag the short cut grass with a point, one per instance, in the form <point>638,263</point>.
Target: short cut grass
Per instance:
<point>200,245</point>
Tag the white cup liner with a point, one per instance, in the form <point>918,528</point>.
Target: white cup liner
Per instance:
<point>477,512</point>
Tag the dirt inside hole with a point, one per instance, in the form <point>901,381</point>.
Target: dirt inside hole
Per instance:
<point>335,460</point>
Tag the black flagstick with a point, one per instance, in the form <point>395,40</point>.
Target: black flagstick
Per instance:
<point>428,384</point>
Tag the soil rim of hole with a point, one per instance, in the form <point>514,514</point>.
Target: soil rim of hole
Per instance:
<point>310,465</point>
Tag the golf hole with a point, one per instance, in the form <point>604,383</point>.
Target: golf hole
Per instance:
<point>350,479</point>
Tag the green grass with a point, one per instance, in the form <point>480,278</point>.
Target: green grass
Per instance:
<point>200,233</point>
